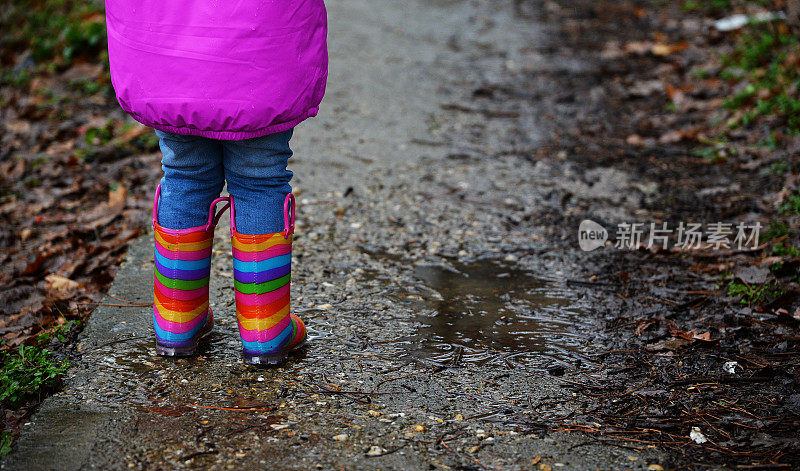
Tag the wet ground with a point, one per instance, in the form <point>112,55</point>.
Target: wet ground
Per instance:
<point>443,330</point>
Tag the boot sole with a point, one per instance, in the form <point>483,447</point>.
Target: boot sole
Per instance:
<point>271,359</point>
<point>184,351</point>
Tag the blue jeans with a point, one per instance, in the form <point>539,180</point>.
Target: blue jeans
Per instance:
<point>195,171</point>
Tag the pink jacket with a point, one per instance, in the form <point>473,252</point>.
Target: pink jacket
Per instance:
<point>230,70</point>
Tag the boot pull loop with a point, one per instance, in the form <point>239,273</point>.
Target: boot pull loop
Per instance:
<point>213,214</point>
<point>233,210</point>
<point>155,204</point>
<point>288,218</point>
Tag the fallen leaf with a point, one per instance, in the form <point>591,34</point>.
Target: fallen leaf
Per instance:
<point>662,49</point>
<point>117,196</point>
<point>60,283</point>
<point>669,344</point>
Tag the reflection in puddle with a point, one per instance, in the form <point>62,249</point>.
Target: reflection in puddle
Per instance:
<point>489,310</point>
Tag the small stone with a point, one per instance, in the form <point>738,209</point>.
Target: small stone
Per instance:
<point>260,379</point>
<point>697,435</point>
<point>373,413</point>
<point>730,367</point>
<point>458,417</point>
<point>184,381</point>
<point>340,438</point>
<point>472,449</point>
<point>419,428</point>
<point>655,467</point>
<point>375,450</point>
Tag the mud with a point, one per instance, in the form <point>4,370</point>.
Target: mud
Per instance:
<point>443,331</point>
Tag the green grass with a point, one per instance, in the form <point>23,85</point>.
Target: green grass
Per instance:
<point>706,6</point>
<point>756,293</point>
<point>27,372</point>
<point>58,332</point>
<point>56,32</point>
<point>99,136</point>
<point>32,369</point>
<point>775,229</point>
<point>763,63</point>
<point>792,204</point>
<point>6,439</point>
<point>718,152</point>
<point>781,250</point>
<point>770,142</point>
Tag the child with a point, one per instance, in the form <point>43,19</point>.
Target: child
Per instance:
<point>223,84</point>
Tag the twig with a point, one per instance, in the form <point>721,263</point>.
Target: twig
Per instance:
<point>234,409</point>
<point>199,453</point>
<point>473,459</point>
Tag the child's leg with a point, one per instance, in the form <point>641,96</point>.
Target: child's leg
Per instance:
<point>258,181</point>
<point>193,177</point>
<point>262,251</point>
<point>184,237</point>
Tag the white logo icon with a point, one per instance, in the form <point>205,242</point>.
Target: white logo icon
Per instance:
<point>591,235</point>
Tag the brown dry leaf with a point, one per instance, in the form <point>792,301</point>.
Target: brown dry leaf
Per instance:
<point>117,196</point>
<point>18,126</point>
<point>671,137</point>
<point>661,49</point>
<point>643,326</point>
<point>13,169</point>
<point>692,335</point>
<point>635,140</point>
<point>59,148</point>
<point>669,344</point>
<point>132,133</point>
<point>83,71</point>
<point>60,283</point>
<point>35,264</point>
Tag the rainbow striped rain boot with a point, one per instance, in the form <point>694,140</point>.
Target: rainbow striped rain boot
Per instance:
<point>262,266</point>
<point>181,314</point>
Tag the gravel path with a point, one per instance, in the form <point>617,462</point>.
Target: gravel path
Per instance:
<point>443,335</point>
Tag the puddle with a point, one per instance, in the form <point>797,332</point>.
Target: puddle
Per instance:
<point>492,311</point>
